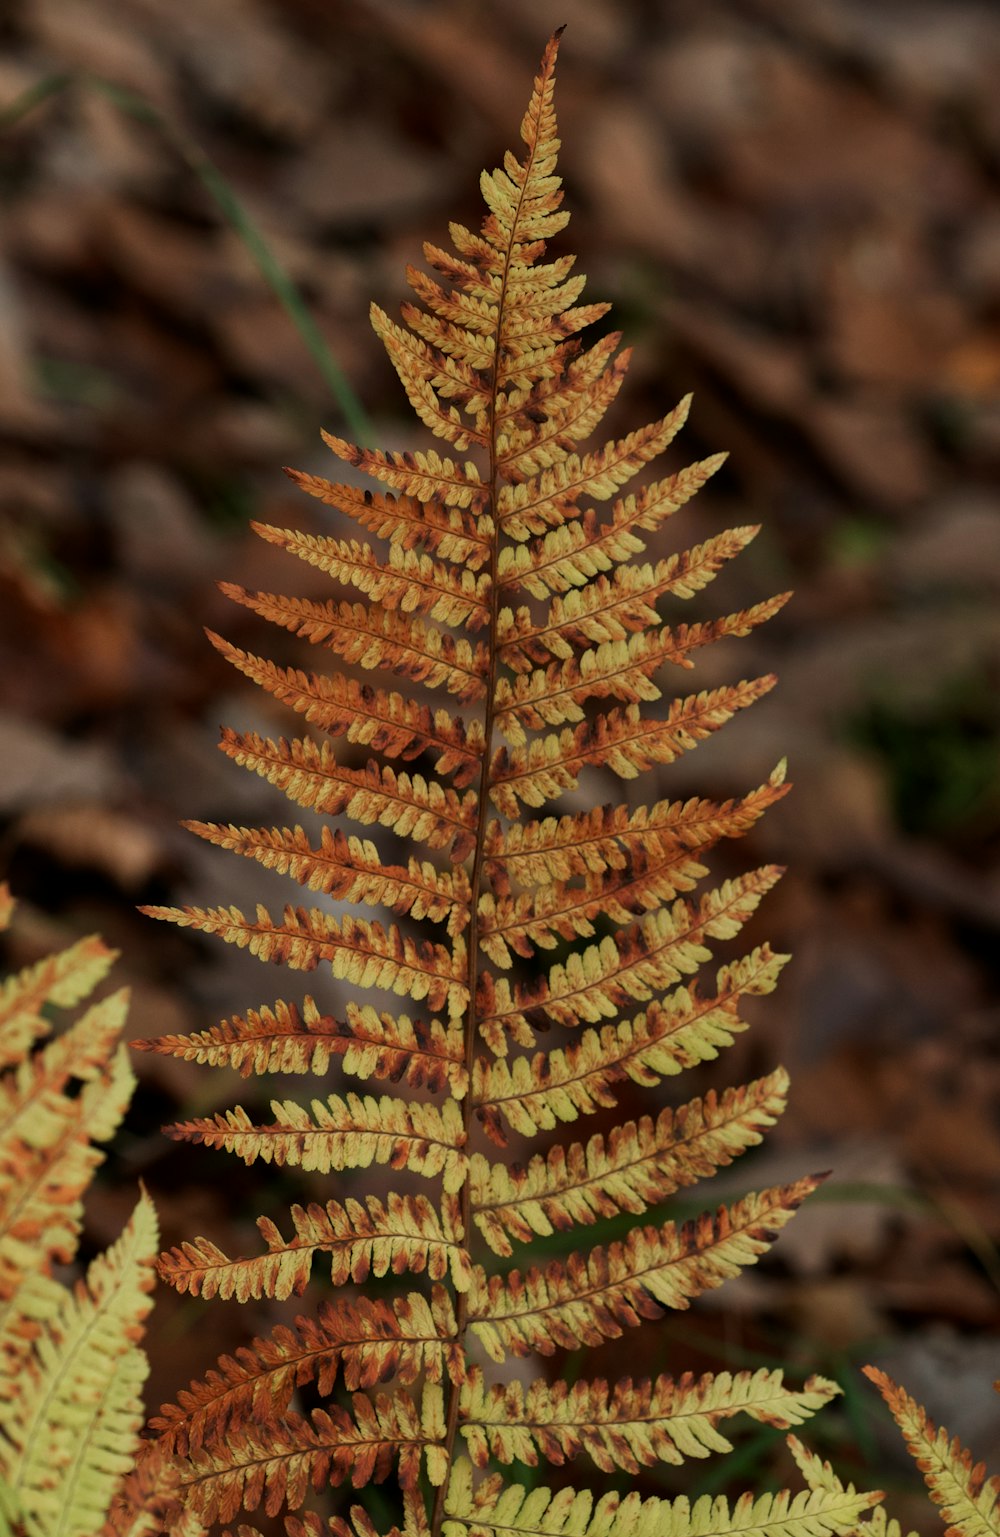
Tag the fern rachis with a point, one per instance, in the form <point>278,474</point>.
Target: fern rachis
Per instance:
<point>504,591</point>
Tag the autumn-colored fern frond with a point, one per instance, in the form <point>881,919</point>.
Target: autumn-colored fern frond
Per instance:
<point>552,958</point>
<point>71,1367</point>
<point>968,1497</point>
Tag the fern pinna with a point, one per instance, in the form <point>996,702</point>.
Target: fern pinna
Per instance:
<point>503,589</point>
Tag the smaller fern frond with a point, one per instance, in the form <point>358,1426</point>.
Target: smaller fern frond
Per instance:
<point>342,1133</point>
<point>287,1039</point>
<point>640,1164</point>
<point>59,981</point>
<point>593,1297</point>
<point>368,1340</point>
<point>405,1234</point>
<point>70,1411</point>
<point>494,1509</point>
<point>47,1156</point>
<point>968,1497</point>
<point>628,1426</point>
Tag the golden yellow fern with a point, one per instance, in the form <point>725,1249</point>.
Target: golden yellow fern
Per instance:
<point>552,957</point>
<point>71,1369</point>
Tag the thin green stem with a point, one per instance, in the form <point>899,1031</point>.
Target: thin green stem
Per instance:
<point>226,200</point>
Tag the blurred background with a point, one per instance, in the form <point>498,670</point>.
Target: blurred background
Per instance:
<point>793,206</point>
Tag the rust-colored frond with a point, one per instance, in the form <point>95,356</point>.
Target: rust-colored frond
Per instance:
<point>310,776</point>
<point>593,1297</point>
<point>336,1134</point>
<point>409,581</point>
<point>494,576</point>
<point>968,1497</point>
<point>359,952</point>
<point>350,869</point>
<point>595,983</point>
<point>622,740</point>
<point>638,1165</point>
<point>407,1233</point>
<point>279,1465</point>
<point>534,1094</point>
<point>609,837</point>
<point>629,1426</point>
<point>366,1340</point>
<point>285,1039</point>
<point>403,520</point>
<point>376,637</point>
<point>377,718</point>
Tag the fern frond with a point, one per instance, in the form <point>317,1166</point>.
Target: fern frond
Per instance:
<point>630,1426</point>
<point>70,1414</point>
<point>494,1508</point>
<point>359,952</point>
<point>593,1297</point>
<point>376,637</point>
<point>406,1234</point>
<point>287,1040</point>
<point>622,740</point>
<point>336,1134</point>
<point>969,1499</point>
<point>59,981</point>
<point>640,1164</point>
<point>535,1094</point>
<point>367,1340</point>
<point>502,586</point>
<point>349,869</point>
<point>310,776</point>
<point>47,1157</point>
<point>280,1465</point>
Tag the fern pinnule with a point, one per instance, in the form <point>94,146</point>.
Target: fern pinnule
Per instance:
<point>968,1497</point>
<point>556,958</point>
